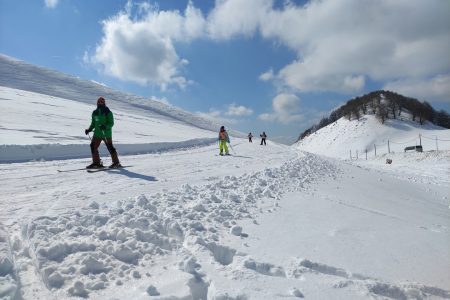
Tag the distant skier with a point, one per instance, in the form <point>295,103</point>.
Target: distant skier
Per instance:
<point>250,137</point>
<point>223,140</point>
<point>263,138</point>
<point>102,123</point>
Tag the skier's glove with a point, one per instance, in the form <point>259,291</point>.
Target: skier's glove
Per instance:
<point>86,132</point>
<point>102,127</point>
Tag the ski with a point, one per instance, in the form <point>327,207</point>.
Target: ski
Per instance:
<point>71,170</point>
<point>105,169</point>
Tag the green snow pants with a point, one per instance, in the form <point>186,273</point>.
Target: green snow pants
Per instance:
<point>222,146</point>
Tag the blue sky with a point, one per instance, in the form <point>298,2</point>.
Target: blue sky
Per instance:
<point>256,65</point>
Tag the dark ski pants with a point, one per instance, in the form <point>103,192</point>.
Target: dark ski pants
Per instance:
<point>263,141</point>
<point>95,143</point>
<point>250,140</point>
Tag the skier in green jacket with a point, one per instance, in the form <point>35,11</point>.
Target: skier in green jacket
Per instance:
<point>102,123</point>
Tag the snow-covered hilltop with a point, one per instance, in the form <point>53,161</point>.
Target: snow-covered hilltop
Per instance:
<point>340,138</point>
<point>380,122</point>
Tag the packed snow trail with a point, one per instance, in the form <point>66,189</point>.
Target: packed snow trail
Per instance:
<point>34,189</point>
<point>260,225</point>
<point>99,246</point>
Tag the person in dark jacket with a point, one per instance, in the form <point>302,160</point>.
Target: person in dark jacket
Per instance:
<point>102,123</point>
<point>250,137</point>
<point>263,138</point>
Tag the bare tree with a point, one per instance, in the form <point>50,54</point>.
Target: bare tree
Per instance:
<point>382,113</point>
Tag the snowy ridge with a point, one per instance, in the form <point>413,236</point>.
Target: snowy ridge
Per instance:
<point>22,153</point>
<point>23,76</point>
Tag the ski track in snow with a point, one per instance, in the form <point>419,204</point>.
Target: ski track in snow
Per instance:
<point>175,236</point>
<point>100,246</point>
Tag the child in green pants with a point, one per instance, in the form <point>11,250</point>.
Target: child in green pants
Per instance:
<point>223,140</point>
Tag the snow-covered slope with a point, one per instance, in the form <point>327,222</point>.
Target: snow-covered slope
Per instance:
<point>44,114</point>
<point>343,136</point>
<point>37,126</point>
<point>24,76</point>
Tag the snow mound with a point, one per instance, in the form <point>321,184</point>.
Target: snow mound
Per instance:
<point>8,283</point>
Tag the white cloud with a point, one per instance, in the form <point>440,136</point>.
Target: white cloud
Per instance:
<point>217,116</point>
<point>238,110</point>
<point>286,109</point>
<point>230,18</point>
<point>228,116</point>
<point>51,3</point>
<point>140,47</point>
<point>340,44</point>
<point>436,89</point>
<point>266,76</point>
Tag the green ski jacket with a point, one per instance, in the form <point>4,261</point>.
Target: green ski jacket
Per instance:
<point>102,116</point>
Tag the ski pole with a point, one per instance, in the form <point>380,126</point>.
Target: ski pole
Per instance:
<point>232,149</point>
<point>89,136</point>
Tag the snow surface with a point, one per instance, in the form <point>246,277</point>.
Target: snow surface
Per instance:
<point>182,222</point>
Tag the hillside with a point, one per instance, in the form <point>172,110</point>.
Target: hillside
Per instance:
<point>45,113</point>
<point>37,126</point>
<point>341,137</point>
<point>384,105</point>
<point>21,75</point>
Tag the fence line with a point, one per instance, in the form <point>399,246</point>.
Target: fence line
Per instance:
<point>402,143</point>
<point>435,138</point>
<point>389,142</point>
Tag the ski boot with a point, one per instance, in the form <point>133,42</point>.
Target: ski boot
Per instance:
<point>115,165</point>
<point>95,166</point>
